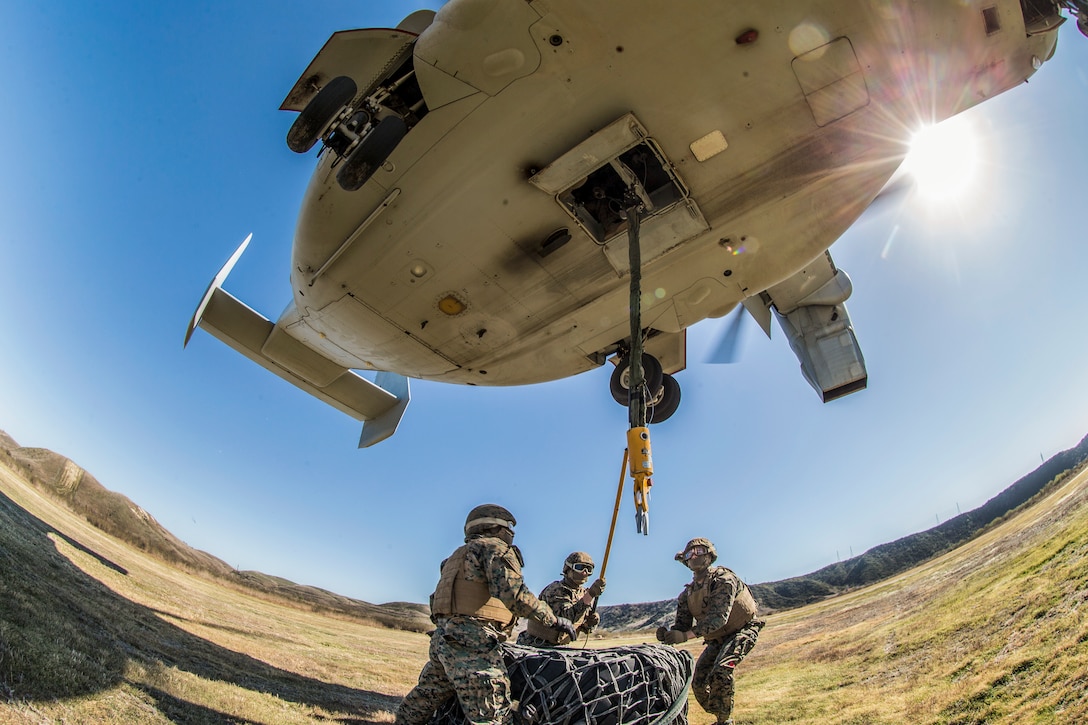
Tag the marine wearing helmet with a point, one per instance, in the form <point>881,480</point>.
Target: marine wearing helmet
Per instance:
<point>480,595</point>
<point>569,598</point>
<point>717,606</point>
<point>695,548</point>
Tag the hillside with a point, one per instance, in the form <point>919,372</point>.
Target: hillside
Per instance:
<point>116,515</point>
<point>992,632</point>
<point>880,562</point>
<point>109,511</point>
<point>94,630</point>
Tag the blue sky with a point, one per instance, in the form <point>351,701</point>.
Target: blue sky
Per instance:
<point>143,142</point>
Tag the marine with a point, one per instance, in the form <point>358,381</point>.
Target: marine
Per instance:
<point>717,606</point>
<point>480,595</point>
<point>568,598</point>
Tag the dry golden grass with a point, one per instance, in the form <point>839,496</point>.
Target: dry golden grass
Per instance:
<point>992,632</point>
<point>119,637</point>
<point>94,631</point>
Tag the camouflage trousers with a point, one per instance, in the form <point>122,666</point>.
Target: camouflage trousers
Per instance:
<point>466,660</point>
<point>712,682</point>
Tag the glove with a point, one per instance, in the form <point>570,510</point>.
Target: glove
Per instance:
<point>596,588</point>
<point>592,620</point>
<point>675,636</point>
<point>661,633</point>
<point>565,626</point>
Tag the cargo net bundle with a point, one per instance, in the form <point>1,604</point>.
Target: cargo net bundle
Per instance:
<point>637,685</point>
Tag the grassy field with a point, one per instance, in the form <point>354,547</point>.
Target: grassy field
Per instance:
<point>93,631</point>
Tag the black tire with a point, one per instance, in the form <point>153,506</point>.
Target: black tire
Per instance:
<point>371,153</point>
<point>322,108</point>
<point>669,402</point>
<point>651,371</point>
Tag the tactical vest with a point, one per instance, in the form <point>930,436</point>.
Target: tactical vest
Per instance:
<point>743,611</point>
<point>457,595</point>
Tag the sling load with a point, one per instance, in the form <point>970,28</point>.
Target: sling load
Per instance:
<point>644,684</point>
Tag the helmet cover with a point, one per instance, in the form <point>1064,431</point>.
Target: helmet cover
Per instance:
<point>488,515</point>
<point>577,557</point>
<point>682,557</point>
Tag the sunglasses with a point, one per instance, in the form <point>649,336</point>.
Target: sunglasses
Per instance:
<point>582,568</point>
<point>694,552</point>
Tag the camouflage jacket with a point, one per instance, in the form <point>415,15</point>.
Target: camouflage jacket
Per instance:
<point>566,601</point>
<point>492,561</point>
<point>710,603</point>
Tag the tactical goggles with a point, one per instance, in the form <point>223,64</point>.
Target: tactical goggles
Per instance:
<point>582,568</point>
<point>694,552</point>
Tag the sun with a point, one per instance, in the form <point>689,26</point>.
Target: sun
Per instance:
<point>943,159</point>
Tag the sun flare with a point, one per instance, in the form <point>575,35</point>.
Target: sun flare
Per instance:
<point>943,159</point>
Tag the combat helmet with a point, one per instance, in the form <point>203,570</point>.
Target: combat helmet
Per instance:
<point>698,541</point>
<point>578,557</point>
<point>487,515</point>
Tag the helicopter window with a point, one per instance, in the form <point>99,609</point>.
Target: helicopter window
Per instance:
<point>598,201</point>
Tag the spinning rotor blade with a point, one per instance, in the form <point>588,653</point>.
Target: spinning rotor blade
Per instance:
<point>727,349</point>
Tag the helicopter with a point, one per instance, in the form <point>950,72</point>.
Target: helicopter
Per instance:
<point>469,217</point>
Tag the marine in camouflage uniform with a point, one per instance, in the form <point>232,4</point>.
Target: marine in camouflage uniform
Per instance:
<point>569,599</point>
<point>479,596</point>
<point>724,615</point>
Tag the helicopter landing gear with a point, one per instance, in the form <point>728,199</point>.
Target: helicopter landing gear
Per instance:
<point>361,132</point>
<point>372,151</point>
<point>321,114</point>
<point>620,383</point>
<point>664,404</point>
<point>1079,8</point>
<point>1049,17</point>
<point>662,390</point>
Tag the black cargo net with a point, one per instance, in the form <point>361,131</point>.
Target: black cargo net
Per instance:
<point>642,684</point>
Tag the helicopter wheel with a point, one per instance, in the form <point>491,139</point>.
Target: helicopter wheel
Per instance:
<point>664,405</point>
<point>620,381</point>
<point>372,152</point>
<point>319,112</point>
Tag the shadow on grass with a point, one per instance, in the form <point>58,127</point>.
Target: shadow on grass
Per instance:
<point>181,711</point>
<point>91,553</point>
<point>64,634</point>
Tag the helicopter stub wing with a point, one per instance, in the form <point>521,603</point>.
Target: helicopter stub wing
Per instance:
<point>380,404</point>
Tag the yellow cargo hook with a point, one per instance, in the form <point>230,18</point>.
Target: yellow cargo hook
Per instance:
<point>642,470</point>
